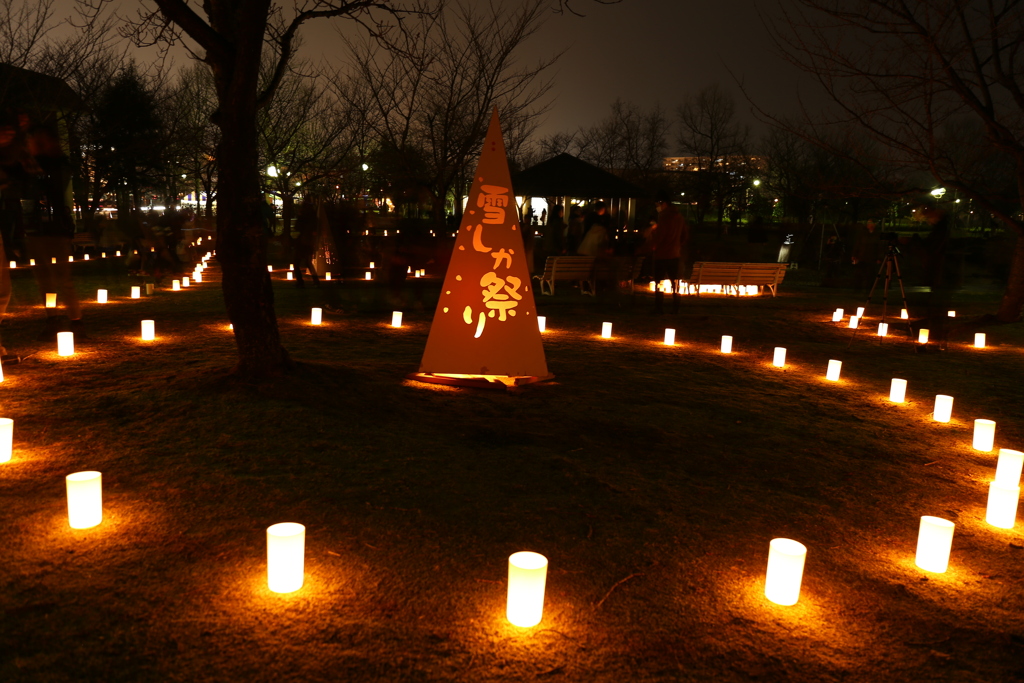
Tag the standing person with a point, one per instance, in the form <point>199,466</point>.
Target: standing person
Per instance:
<point>667,246</point>
<point>304,247</point>
<point>598,216</point>
<point>554,232</point>
<point>574,230</point>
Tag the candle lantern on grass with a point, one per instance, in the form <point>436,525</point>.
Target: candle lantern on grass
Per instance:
<point>898,390</point>
<point>6,439</point>
<point>327,276</point>
<point>148,330</point>
<point>979,340</point>
<point>922,336</point>
<point>1008,468</point>
<point>65,343</point>
<point>854,322</point>
<point>670,336</point>
<point>834,368</point>
<point>101,296</point>
<point>838,315</point>
<point>396,319</point>
<point>316,317</point>
<point>606,330</point>
<point>51,299</point>
<point>785,571</point>
<point>176,285</point>
<point>984,435</point>
<point>904,315</point>
<point>883,329</point>
<point>779,360</point>
<point>286,550</point>
<point>185,282</point>
<point>368,276</point>
<point>726,344</point>
<point>85,499</point>
<point>1002,505</point>
<point>527,575</point>
<point>860,311</point>
<point>136,292</point>
<point>943,408</point>
<point>289,275</point>
<point>934,540</point>
<point>542,322</point>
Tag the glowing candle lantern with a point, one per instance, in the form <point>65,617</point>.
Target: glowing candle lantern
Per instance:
<point>396,319</point>
<point>148,330</point>
<point>371,264</point>
<point>922,336</point>
<point>934,539</point>
<point>104,255</point>
<point>317,316</point>
<point>785,571</point>
<point>136,292</point>
<point>101,296</point>
<point>670,336</point>
<point>726,344</point>
<point>51,299</point>
<point>883,329</point>
<point>65,343</point>
<point>898,390</point>
<point>176,285</point>
<point>834,368</point>
<point>71,259</point>
<point>270,269</point>
<point>290,275</point>
<point>654,286</point>
<point>53,259</point>
<point>943,408</point>
<point>328,275</point>
<point>149,288</point>
<point>291,266</point>
<point>184,282</point>
<point>542,322</point>
<point>118,254</point>
<point>979,340</point>
<point>6,438</point>
<point>198,276</point>
<point>860,312</point>
<point>1002,505</point>
<point>904,315</point>
<point>86,257</point>
<point>286,551</point>
<point>779,360</point>
<point>13,264</point>
<point>984,435</point>
<point>606,330</point>
<point>85,499</point>
<point>854,321</point>
<point>951,314</point>
<point>31,261</point>
<point>1009,467</point>
<point>838,315</point>
<point>527,575</point>
<point>369,275</point>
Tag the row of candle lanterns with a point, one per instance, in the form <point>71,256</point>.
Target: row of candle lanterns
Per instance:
<point>883,328</point>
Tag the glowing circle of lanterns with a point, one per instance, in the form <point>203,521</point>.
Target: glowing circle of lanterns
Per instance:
<point>834,368</point>
<point>943,408</point>
<point>136,292</point>
<point>670,336</point>
<point>176,285</point>
<point>779,360</point>
<point>898,390</point>
<point>854,322</point>
<point>527,575</point>
<point>837,315</point>
<point>934,540</point>
<point>984,435</point>
<point>606,330</point>
<point>1008,467</point>
<point>785,571</point>
<point>542,322</point>
<point>51,299</point>
<point>85,499</point>
<point>316,316</point>
<point>101,296</point>
<point>286,551</point>
<point>148,330</point>
<point>65,343</point>
<point>396,319</point>
<point>922,336</point>
<point>6,439</point>
<point>1002,505</point>
<point>979,340</point>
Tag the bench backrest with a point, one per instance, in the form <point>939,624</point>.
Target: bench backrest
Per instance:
<point>571,267</point>
<point>726,273</point>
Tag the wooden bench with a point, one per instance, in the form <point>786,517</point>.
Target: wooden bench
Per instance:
<point>573,268</point>
<point>734,275</point>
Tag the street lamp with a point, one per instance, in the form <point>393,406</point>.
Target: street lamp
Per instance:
<point>272,171</point>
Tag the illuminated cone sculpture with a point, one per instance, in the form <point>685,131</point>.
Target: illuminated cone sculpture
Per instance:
<point>485,327</point>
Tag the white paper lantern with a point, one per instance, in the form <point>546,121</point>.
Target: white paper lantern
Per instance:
<point>184,282</point>
<point>368,276</point>
<point>371,264</point>
<point>1002,505</point>
<point>984,435</point>
<point>943,408</point>
<point>934,540</point>
<point>289,275</point>
<point>51,299</point>
<point>148,330</point>
<point>785,571</point>
<point>951,314</point>
<point>31,261</point>
<point>779,360</point>
<point>86,257</point>
<point>860,312</point>
<point>328,275</point>
<point>854,322</point>
<point>838,315</point>
<point>726,344</point>
<point>150,287</point>
<point>286,552</point>
<point>396,319</point>
<point>198,276</point>
<point>527,576</point>
<point>542,322</point>
<point>922,336</point>
<point>903,314</point>
<point>270,269</point>
<point>883,329</point>
<point>670,336</point>
<point>13,264</point>
<point>65,343</point>
<point>101,296</point>
<point>898,390</point>
<point>71,259</point>
<point>176,285</point>
<point>53,260</point>
<point>1009,467</point>
<point>136,292</point>
<point>979,340</point>
<point>606,330</point>
<point>654,286</point>
<point>6,439</point>
<point>834,368</point>
<point>316,316</point>
<point>85,499</point>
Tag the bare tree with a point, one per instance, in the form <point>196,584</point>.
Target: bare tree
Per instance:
<point>194,137</point>
<point>917,75</point>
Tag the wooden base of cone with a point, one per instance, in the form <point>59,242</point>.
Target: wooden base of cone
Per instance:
<point>476,381</point>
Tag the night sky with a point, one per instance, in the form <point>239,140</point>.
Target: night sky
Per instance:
<point>644,51</point>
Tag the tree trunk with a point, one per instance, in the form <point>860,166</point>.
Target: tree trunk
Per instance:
<point>1013,297</point>
<point>242,227</point>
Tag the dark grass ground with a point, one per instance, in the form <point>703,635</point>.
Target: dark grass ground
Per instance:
<point>653,478</point>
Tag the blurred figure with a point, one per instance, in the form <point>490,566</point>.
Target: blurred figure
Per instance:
<point>667,247</point>
<point>304,246</point>
<point>598,232</point>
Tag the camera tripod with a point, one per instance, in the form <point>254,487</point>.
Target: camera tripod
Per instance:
<point>890,264</point>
